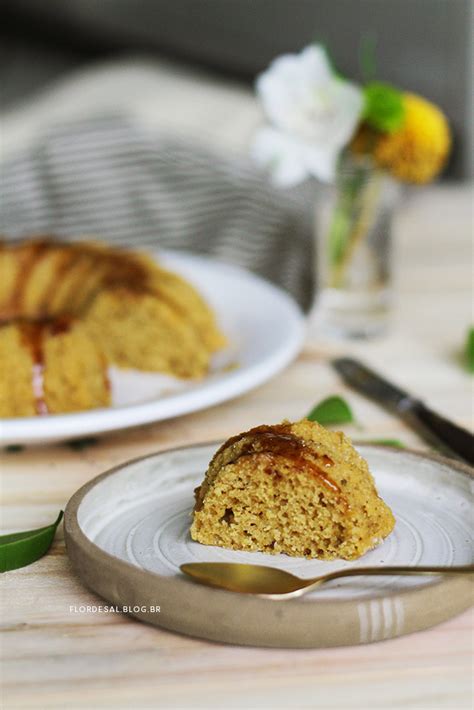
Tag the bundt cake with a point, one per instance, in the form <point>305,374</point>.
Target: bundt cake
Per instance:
<point>50,367</point>
<point>297,489</point>
<point>140,315</point>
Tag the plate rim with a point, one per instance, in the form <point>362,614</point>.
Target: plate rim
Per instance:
<point>89,562</point>
<point>73,425</point>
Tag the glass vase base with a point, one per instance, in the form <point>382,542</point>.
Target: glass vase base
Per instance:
<point>353,314</point>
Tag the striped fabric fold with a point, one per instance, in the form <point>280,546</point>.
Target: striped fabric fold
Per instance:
<point>107,178</point>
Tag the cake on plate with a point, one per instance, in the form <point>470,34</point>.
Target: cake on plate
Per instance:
<point>297,489</point>
<point>138,314</point>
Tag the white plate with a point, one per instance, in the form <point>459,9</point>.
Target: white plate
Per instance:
<point>140,514</point>
<point>265,328</point>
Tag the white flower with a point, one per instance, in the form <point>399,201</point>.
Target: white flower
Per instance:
<point>313,114</point>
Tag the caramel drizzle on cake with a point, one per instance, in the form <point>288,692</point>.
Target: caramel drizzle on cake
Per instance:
<point>32,334</point>
<point>275,441</point>
<point>38,250</point>
<point>67,257</point>
<point>119,268</point>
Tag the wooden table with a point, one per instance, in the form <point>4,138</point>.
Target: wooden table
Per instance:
<point>55,657</point>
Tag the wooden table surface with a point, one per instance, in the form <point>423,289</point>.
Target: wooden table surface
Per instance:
<point>55,657</point>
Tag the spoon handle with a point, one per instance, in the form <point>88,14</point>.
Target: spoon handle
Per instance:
<point>384,571</point>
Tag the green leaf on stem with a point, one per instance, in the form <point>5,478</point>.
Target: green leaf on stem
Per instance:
<point>384,109</point>
<point>469,350</point>
<point>23,548</point>
<point>333,410</point>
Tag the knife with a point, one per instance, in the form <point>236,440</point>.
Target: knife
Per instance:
<point>430,425</point>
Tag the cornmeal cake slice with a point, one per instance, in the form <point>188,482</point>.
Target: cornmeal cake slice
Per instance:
<point>295,488</point>
<point>50,367</point>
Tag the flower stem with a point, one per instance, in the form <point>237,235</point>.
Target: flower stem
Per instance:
<point>351,223</point>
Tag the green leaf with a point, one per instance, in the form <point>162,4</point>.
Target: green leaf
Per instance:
<point>384,109</point>
<point>469,350</point>
<point>333,410</point>
<point>22,548</point>
<point>386,442</point>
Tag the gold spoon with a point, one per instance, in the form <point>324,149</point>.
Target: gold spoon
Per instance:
<point>278,584</point>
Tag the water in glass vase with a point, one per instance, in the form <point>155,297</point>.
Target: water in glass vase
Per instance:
<point>353,231</point>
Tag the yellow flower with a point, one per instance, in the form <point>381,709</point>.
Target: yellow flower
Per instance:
<point>415,153</point>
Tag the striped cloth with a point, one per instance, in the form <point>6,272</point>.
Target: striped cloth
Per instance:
<point>104,177</point>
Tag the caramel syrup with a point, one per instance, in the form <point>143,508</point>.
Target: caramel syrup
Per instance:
<point>277,441</point>
<point>61,268</point>
<point>264,440</point>
<point>37,251</point>
<point>121,269</point>
<point>32,334</point>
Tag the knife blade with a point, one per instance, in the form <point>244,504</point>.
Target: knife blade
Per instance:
<point>430,425</point>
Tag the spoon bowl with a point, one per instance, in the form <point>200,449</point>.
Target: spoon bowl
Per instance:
<point>246,579</point>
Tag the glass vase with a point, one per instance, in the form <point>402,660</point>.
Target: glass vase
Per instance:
<point>353,251</point>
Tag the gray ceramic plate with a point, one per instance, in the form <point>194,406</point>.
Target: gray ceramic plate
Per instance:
<point>127,532</point>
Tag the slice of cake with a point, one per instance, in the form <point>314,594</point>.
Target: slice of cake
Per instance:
<point>293,488</point>
<point>49,367</point>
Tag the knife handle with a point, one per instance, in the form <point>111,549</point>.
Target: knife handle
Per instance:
<point>459,440</point>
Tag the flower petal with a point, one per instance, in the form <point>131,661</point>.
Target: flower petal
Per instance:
<point>282,155</point>
<point>315,111</point>
<point>290,81</point>
<point>350,102</point>
<point>314,64</point>
<point>321,162</point>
